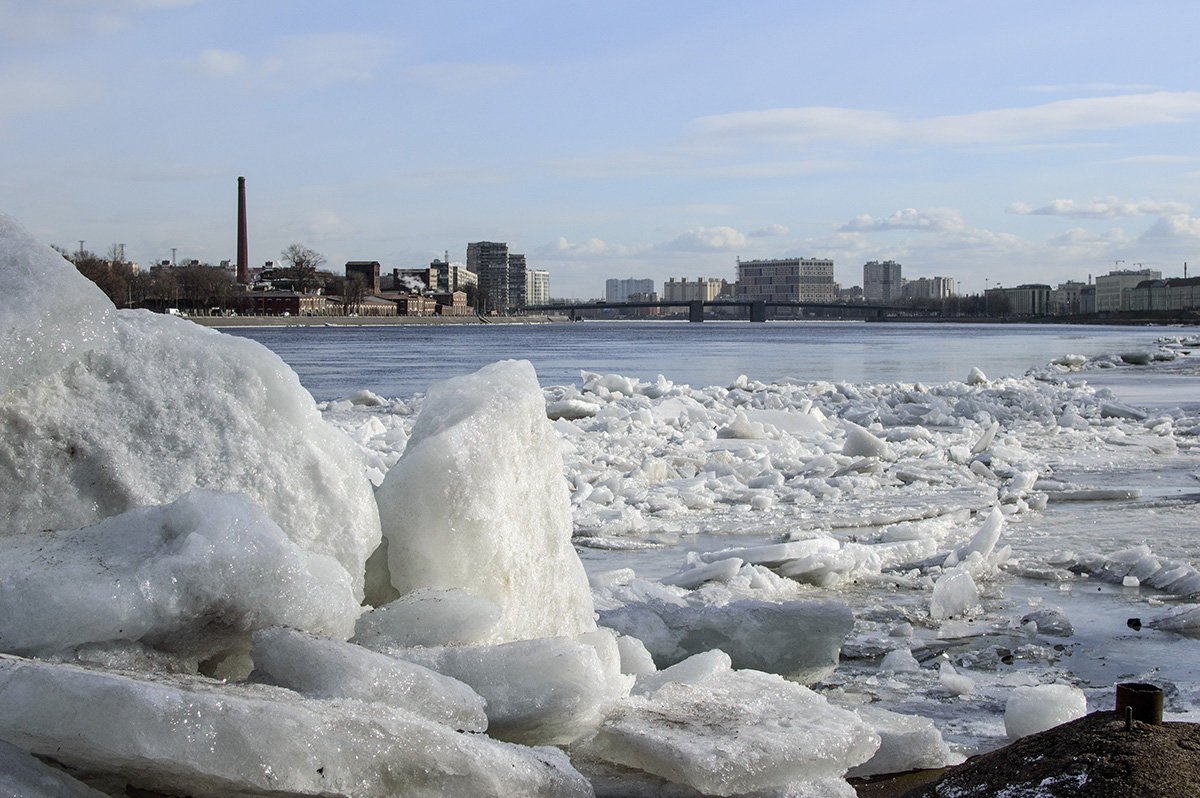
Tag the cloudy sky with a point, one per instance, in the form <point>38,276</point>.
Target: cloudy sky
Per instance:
<point>1006,142</point>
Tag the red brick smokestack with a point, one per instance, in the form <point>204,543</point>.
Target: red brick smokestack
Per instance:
<point>243,268</point>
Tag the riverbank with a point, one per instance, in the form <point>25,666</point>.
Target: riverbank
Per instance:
<point>365,321</point>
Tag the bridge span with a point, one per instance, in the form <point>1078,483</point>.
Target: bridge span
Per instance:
<point>756,309</point>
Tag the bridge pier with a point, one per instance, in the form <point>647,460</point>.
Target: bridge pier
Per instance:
<point>696,311</point>
<point>758,310</point>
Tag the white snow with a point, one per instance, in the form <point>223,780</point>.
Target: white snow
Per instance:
<point>194,577</point>
<point>164,406</point>
<point>545,691</point>
<point>429,618</point>
<point>51,315</point>
<point>728,732</point>
<point>170,491</point>
<point>478,502</point>
<point>184,735</point>
<point>319,667</point>
<point>954,593</point>
<point>1030,710</point>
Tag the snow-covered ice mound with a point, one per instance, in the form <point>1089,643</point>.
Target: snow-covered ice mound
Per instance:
<point>728,732</point>
<point>51,315</point>
<point>194,578</point>
<point>154,407</point>
<point>189,736</point>
<point>478,502</point>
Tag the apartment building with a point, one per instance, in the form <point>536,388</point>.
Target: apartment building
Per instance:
<point>882,281</point>
<point>786,280</point>
<point>617,290</point>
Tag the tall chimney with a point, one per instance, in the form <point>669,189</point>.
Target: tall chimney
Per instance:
<point>243,268</point>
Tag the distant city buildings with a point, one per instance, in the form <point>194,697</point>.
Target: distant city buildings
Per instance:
<point>928,288</point>
<point>882,281</point>
<point>786,280</point>
<point>616,290</point>
<point>537,287</point>
<point>1111,287</point>
<point>1161,296</point>
<point>703,289</point>
<point>452,277</point>
<point>501,275</point>
<point>1031,299</point>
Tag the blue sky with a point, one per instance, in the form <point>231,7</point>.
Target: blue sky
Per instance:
<point>1006,142</point>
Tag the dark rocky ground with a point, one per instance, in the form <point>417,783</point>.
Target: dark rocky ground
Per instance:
<point>1091,756</point>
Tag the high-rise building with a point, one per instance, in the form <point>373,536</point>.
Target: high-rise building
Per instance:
<point>786,280</point>
<point>882,282</point>
<point>1111,287</point>
<point>703,289</point>
<point>928,288</point>
<point>616,290</point>
<point>452,277</point>
<point>537,287</point>
<point>501,275</point>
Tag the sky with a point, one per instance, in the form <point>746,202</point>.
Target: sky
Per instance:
<point>995,143</point>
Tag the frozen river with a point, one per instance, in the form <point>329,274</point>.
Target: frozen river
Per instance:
<point>877,455</point>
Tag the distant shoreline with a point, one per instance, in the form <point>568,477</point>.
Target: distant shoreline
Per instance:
<point>1115,320</point>
<point>364,321</point>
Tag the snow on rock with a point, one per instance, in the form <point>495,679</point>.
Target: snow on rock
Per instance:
<point>546,691</point>
<point>726,732</point>
<point>429,618</point>
<point>164,406</point>
<point>1030,710</point>
<point>51,316</point>
<point>478,502</point>
<point>954,593</point>
<point>190,736</point>
<point>322,668</point>
<point>907,742</point>
<point>193,577</point>
<point>23,775</point>
<point>800,639</point>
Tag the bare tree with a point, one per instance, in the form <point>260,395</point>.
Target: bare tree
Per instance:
<point>302,263</point>
<point>354,292</point>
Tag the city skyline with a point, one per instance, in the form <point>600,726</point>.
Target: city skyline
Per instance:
<point>1012,144</point>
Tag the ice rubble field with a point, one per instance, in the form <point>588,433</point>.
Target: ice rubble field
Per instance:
<point>212,586</point>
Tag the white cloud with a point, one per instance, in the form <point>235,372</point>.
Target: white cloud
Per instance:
<point>933,220</point>
<point>800,125</point>
<point>591,248</point>
<point>1173,229</point>
<point>708,239</point>
<point>769,231</point>
<point>304,61</point>
<point>999,126</point>
<point>1101,208</point>
<point>1077,238</point>
<point>1158,159</point>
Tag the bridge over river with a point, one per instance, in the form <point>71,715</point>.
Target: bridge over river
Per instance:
<point>756,310</point>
